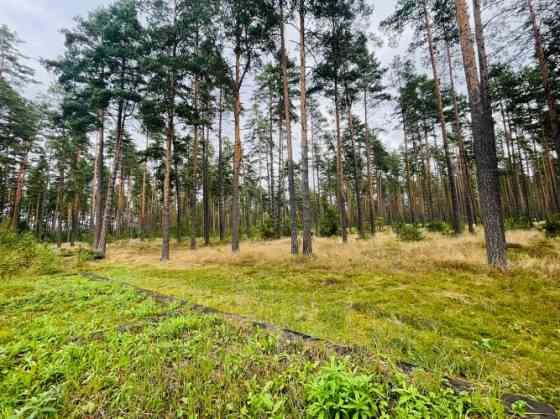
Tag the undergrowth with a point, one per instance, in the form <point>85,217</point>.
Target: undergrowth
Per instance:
<point>74,348</point>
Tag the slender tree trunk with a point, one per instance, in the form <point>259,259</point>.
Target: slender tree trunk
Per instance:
<point>288,119</point>
<point>205,189</point>
<point>235,214</point>
<point>20,180</point>
<point>194,174</point>
<point>456,217</point>
<point>107,212</point>
<point>545,74</point>
<point>221,209</point>
<point>369,163</point>
<point>170,137</point>
<point>307,219</point>
<point>143,196</point>
<point>339,179</point>
<point>97,199</point>
<point>356,168</point>
<point>484,141</point>
<point>461,143</point>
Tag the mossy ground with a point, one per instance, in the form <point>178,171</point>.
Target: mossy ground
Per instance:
<point>433,303</point>
<point>70,347</point>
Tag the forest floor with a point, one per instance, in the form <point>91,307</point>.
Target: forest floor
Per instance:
<point>73,347</point>
<point>432,303</point>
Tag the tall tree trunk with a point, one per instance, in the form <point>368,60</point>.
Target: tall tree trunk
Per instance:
<point>166,218</point>
<point>235,214</point>
<point>545,74</point>
<point>369,163</point>
<point>461,143</point>
<point>97,199</point>
<point>20,180</point>
<point>143,195</point>
<point>307,219</point>
<point>484,142</point>
<point>194,174</point>
<point>339,193</point>
<point>456,217</point>
<point>288,122</point>
<point>107,212</point>
<point>205,189</point>
<point>355,167</point>
<point>221,209</point>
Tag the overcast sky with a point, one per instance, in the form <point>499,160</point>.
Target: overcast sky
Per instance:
<point>38,23</point>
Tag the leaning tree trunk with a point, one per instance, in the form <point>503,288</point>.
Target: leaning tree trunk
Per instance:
<point>287,118</point>
<point>307,219</point>
<point>456,218</point>
<point>484,143</point>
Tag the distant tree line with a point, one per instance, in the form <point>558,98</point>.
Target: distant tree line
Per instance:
<point>169,73</point>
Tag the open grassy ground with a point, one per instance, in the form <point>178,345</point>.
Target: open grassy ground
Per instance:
<point>71,347</point>
<point>432,303</point>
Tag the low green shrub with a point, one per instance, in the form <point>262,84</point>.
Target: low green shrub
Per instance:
<point>329,224</point>
<point>551,226</point>
<point>267,230</point>
<point>21,252</point>
<point>408,232</point>
<point>518,223</point>
<point>337,393</point>
<point>439,227</point>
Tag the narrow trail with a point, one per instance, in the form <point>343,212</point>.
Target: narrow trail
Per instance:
<point>534,408</point>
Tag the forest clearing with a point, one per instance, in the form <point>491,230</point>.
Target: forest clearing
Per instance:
<point>333,209</point>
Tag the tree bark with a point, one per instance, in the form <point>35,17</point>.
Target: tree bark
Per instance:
<point>97,199</point>
<point>484,142</point>
<point>307,219</point>
<point>545,74</point>
<point>235,214</point>
<point>461,143</point>
<point>287,119</point>
<point>221,214</point>
<point>456,218</point>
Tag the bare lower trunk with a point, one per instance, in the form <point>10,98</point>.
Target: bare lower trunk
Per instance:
<point>107,212</point>
<point>98,179</point>
<point>307,219</point>
<point>456,219</point>
<point>221,214</point>
<point>339,194</point>
<point>545,74</point>
<point>461,143</point>
<point>484,141</point>
<point>165,219</point>
<point>235,214</point>
<point>287,119</point>
<point>16,208</point>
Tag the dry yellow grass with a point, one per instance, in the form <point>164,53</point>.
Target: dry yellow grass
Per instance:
<point>383,252</point>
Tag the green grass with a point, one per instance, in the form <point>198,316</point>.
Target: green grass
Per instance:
<point>500,331</point>
<point>71,347</point>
